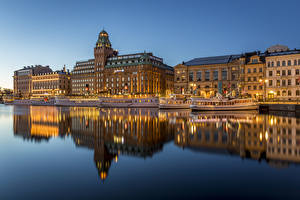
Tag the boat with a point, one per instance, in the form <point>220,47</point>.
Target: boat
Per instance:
<point>175,102</point>
<point>124,102</point>
<point>223,104</point>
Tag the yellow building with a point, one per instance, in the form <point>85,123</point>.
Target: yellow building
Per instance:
<point>51,84</point>
<point>254,75</point>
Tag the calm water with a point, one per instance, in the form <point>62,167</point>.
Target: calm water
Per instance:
<point>89,153</point>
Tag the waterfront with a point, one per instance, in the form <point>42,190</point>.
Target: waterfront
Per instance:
<point>77,152</point>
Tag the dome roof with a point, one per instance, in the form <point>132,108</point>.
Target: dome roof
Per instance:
<point>103,40</point>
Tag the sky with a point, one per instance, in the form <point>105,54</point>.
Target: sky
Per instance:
<point>58,33</point>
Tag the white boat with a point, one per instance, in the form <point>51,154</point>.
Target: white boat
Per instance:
<point>176,102</point>
<point>224,104</point>
<point>124,102</point>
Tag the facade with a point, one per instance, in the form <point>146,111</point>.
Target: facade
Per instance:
<point>283,74</point>
<point>83,77</point>
<point>114,74</point>
<point>23,79</point>
<point>51,84</point>
<point>254,82</point>
<point>207,76</point>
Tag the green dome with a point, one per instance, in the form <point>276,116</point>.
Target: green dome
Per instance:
<point>103,40</point>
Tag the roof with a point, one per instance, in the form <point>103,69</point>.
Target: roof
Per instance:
<point>284,53</point>
<point>212,60</point>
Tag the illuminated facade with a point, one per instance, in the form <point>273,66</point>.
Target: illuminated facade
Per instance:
<point>283,73</point>
<point>23,79</point>
<point>207,76</point>
<point>51,84</point>
<point>254,82</point>
<point>140,73</point>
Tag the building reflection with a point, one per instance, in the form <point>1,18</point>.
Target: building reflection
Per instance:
<point>275,139</point>
<point>111,133</point>
<point>38,123</point>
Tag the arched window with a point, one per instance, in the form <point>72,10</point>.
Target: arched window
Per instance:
<point>278,93</point>
<point>278,63</point>
<point>297,92</point>
<point>283,93</point>
<point>289,93</point>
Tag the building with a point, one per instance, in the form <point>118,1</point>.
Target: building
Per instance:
<point>253,81</point>
<point>51,84</point>
<point>110,73</point>
<point>283,73</point>
<point>207,76</point>
<point>23,79</point>
<point>83,77</point>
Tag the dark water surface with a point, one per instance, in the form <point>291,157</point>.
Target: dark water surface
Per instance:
<point>90,153</point>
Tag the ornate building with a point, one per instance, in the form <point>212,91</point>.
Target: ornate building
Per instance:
<point>23,79</point>
<point>140,73</point>
<point>283,73</point>
<point>51,84</point>
<point>253,81</point>
<point>207,76</point>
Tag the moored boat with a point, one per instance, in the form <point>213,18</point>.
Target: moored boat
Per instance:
<point>224,104</point>
<point>120,102</point>
<point>175,102</point>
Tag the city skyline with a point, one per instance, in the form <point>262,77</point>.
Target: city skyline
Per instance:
<point>59,34</point>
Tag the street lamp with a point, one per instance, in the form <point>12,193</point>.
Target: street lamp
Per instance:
<point>265,89</point>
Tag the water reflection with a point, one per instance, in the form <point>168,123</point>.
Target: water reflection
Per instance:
<point>143,132</point>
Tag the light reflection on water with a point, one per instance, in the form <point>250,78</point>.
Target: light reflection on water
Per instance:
<point>142,133</point>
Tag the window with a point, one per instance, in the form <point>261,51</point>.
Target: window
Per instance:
<point>295,62</point>
<point>289,63</point>
<point>191,74</point>
<point>254,61</point>
<point>283,93</point>
<point>272,64</point>
<point>249,70</point>
<point>298,61</point>
<point>207,74</point>
<point>278,93</point>
<point>283,73</point>
<point>249,78</point>
<point>297,71</point>
<point>289,72</point>
<point>278,64</point>
<point>254,78</point>
<point>297,92</point>
<point>289,93</point>
<point>289,82</point>
<point>278,83</point>
<point>283,63</point>
<point>216,74</point>
<point>249,87</point>
<point>283,82</point>
<point>278,72</point>
<point>224,74</point>
<point>270,73</point>
<point>199,75</point>
<point>260,69</point>
<point>269,64</point>
<point>297,81</point>
<point>270,82</point>
<point>254,87</point>
<point>254,70</point>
